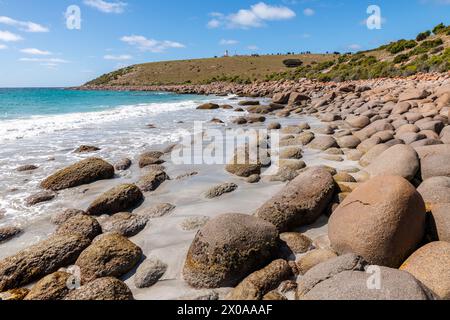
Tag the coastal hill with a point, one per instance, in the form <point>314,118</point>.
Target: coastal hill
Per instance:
<point>429,52</point>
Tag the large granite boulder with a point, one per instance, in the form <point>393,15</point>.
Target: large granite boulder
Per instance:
<point>383,221</point>
<point>120,198</point>
<point>103,289</point>
<point>431,266</point>
<point>83,172</point>
<point>400,160</point>
<point>301,202</point>
<point>40,260</point>
<point>110,255</point>
<point>229,248</point>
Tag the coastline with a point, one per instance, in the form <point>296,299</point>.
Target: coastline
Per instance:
<point>330,109</point>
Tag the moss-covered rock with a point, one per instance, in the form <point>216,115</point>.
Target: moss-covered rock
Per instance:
<point>83,172</point>
<point>229,248</point>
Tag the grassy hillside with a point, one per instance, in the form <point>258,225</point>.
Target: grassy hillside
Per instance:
<point>235,69</point>
<point>429,52</point>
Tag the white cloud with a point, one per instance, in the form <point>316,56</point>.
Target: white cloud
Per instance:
<point>122,57</point>
<point>309,12</point>
<point>36,52</point>
<point>3,47</point>
<point>44,60</point>
<point>253,48</point>
<point>254,17</point>
<point>26,26</point>
<point>225,42</point>
<point>151,45</point>
<point>107,7</point>
<point>9,36</point>
<point>354,47</point>
<point>214,23</point>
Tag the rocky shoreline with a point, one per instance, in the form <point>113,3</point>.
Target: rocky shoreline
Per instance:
<point>388,217</point>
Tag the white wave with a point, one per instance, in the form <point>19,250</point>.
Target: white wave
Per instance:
<point>33,126</point>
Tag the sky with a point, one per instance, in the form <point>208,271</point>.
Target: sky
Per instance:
<point>47,43</point>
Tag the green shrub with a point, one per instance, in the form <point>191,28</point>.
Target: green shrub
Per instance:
<point>439,28</point>
<point>401,58</point>
<point>423,35</point>
<point>401,45</point>
<point>292,63</point>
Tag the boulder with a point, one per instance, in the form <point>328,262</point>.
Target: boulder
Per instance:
<point>301,202</point>
<point>431,266</point>
<point>298,243</point>
<point>208,106</point>
<point>14,294</point>
<point>242,165</point>
<point>229,248</point>
<point>439,222</point>
<point>83,172</point>
<point>328,269</point>
<point>109,255</point>
<point>124,223</point>
<point>118,199</point>
<point>106,289</point>
<point>383,221</point>
<point>323,143</point>
<point>152,180</point>
<point>281,98</point>
<point>9,232</point>
<point>314,258</point>
<point>27,167</point>
<point>194,223</point>
<point>86,149</point>
<point>368,144</point>
<point>248,103</point>
<point>353,285</point>
<point>435,191</point>
<point>350,142</point>
<point>220,190</point>
<point>40,260</point>
<point>146,161</point>
<point>50,288</point>
<point>157,211</point>
<point>358,122</point>
<point>274,126</point>
<point>296,98</point>
<point>61,217</point>
<point>259,283</point>
<point>400,160</point>
<point>413,94</point>
<point>149,273</point>
<point>43,196</point>
<point>83,225</point>
<point>435,165</point>
<point>123,164</point>
<point>291,153</point>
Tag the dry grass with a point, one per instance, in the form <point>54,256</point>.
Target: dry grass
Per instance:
<point>204,70</point>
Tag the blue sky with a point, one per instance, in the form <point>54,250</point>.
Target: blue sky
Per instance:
<point>37,48</point>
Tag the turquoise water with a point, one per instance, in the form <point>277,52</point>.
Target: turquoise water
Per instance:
<point>19,103</point>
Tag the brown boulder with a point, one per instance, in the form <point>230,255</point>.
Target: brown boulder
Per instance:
<point>383,221</point>
<point>301,202</point>
<point>259,283</point>
<point>83,172</point>
<point>431,266</point>
<point>104,289</point>
<point>50,288</point>
<point>40,260</point>
<point>108,255</point>
<point>118,199</point>
<point>229,248</point>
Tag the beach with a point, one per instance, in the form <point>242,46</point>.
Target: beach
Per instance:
<point>326,113</point>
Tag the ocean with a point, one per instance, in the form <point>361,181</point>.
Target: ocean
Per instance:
<point>43,127</point>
